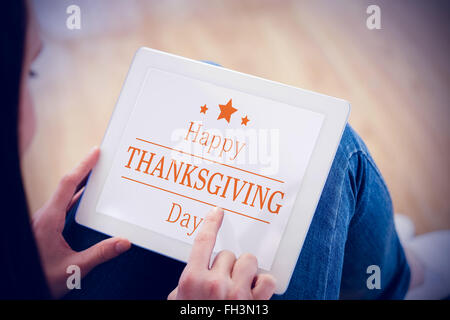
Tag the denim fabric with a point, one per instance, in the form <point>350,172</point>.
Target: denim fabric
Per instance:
<point>352,229</point>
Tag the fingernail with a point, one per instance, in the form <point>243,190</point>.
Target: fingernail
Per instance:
<point>122,246</point>
<point>218,210</point>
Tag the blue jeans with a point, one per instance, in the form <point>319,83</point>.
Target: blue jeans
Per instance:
<point>352,229</point>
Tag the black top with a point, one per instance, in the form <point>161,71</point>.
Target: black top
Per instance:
<point>21,274</point>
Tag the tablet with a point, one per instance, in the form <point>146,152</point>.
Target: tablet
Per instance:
<point>186,136</point>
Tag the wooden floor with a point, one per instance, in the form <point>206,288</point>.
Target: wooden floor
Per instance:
<point>397,78</point>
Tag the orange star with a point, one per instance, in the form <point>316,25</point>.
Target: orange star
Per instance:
<point>203,109</point>
<point>245,121</point>
<point>226,111</point>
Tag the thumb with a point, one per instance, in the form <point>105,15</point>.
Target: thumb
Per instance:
<point>101,252</point>
<point>173,294</point>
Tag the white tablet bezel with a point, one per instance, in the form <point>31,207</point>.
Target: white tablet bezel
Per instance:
<point>336,113</point>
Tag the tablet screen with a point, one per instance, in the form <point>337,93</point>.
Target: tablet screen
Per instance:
<point>191,145</point>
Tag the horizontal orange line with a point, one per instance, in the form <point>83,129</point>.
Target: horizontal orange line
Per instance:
<point>193,155</point>
<point>182,195</point>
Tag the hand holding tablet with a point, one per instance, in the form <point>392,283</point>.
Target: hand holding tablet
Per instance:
<point>186,137</point>
<point>227,278</point>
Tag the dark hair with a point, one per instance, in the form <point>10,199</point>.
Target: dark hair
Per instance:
<point>20,268</point>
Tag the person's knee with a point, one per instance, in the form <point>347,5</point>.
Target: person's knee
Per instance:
<point>211,62</point>
<point>351,142</point>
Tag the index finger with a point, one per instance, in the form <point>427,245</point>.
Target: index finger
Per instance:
<point>206,239</point>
